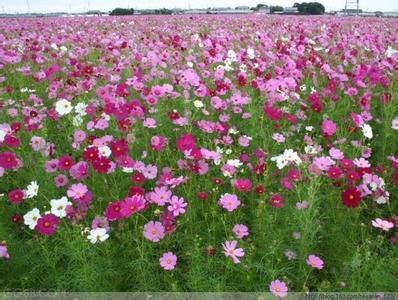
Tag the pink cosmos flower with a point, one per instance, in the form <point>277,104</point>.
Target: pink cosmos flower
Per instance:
<point>160,195</point>
<point>132,205</point>
<point>231,251</point>
<point>328,127</point>
<point>77,191</point>
<point>323,163</point>
<point>47,224</point>
<point>60,180</point>
<point>100,222</point>
<point>278,288</point>
<point>4,252</point>
<point>315,262</point>
<point>168,261</point>
<point>229,201</point>
<point>177,206</point>
<point>240,231</point>
<point>154,231</point>
<point>382,224</point>
<point>158,143</point>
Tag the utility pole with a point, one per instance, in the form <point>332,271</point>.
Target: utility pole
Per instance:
<point>27,6</point>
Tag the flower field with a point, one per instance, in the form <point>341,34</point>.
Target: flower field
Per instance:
<point>199,153</point>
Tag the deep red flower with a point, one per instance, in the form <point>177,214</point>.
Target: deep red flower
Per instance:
<point>351,197</point>
<point>90,153</point>
<point>136,190</point>
<point>259,190</point>
<point>334,172</point>
<point>203,195</point>
<point>119,148</point>
<point>137,177</point>
<point>218,181</point>
<point>101,165</point>
<point>16,218</point>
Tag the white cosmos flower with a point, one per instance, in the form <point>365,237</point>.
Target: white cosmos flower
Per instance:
<point>250,53</point>
<point>63,107</point>
<point>198,104</point>
<point>58,207</point>
<point>309,128</point>
<point>80,109</point>
<point>63,49</point>
<point>285,158</point>
<point>234,162</point>
<point>31,190</point>
<point>97,235</point>
<point>367,131</point>
<point>2,135</point>
<point>105,151</point>
<point>31,217</point>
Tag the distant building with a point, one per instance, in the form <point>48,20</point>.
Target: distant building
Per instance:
<point>242,8</point>
<point>264,9</point>
<point>351,12</point>
<point>391,14</point>
<point>290,10</point>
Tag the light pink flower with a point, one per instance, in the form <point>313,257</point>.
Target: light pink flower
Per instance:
<point>231,251</point>
<point>278,288</point>
<point>240,231</point>
<point>168,261</point>
<point>382,224</point>
<point>154,231</point>
<point>315,262</point>
<point>229,201</point>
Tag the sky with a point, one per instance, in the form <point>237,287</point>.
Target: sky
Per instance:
<point>21,6</point>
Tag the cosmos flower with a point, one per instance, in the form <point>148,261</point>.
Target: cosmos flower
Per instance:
<point>231,251</point>
<point>168,261</point>
<point>229,201</point>
<point>97,235</point>
<point>382,224</point>
<point>278,288</point>
<point>63,107</point>
<point>154,231</point>
<point>315,262</point>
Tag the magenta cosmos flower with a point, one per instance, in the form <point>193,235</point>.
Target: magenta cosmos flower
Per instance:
<point>229,201</point>
<point>328,127</point>
<point>168,261</point>
<point>315,262</point>
<point>278,288</point>
<point>154,231</point>
<point>47,224</point>
<point>231,251</point>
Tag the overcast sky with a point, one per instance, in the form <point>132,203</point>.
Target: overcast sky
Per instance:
<point>13,6</point>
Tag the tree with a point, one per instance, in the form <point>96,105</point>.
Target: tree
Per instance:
<point>273,8</point>
<point>122,12</point>
<point>311,8</point>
